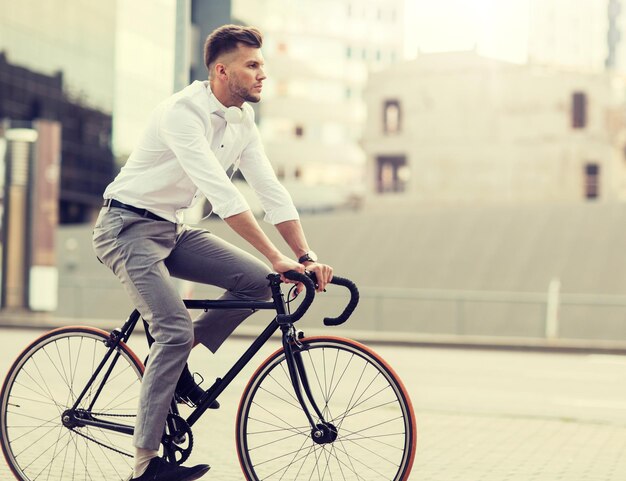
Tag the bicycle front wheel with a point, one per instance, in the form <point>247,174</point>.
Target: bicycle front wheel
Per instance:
<point>359,395</point>
<point>44,382</point>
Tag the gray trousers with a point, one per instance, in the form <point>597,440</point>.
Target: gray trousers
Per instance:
<point>145,254</point>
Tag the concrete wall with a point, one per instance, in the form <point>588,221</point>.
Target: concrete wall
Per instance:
<point>435,270</point>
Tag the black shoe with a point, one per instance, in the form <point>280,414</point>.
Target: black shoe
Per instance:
<point>160,470</point>
<point>189,392</point>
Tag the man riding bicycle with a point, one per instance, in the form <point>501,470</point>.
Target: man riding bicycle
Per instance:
<point>192,139</point>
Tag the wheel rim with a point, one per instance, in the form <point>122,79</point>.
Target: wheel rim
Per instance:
<point>43,385</point>
<point>356,393</point>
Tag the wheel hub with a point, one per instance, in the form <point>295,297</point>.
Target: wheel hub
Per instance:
<point>69,420</point>
<point>324,433</point>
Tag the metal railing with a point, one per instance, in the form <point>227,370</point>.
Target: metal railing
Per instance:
<point>529,314</point>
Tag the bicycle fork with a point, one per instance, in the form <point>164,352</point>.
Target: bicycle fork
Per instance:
<point>322,432</point>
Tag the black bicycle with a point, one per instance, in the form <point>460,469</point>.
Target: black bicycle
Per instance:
<point>324,408</point>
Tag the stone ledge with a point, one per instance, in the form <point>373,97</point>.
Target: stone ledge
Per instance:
<point>29,320</point>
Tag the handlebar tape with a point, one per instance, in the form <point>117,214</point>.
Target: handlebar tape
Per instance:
<point>309,282</point>
<point>354,300</point>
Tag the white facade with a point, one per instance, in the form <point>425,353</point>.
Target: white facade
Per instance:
<point>472,129</point>
<point>318,54</point>
<point>568,33</point>
<point>577,34</point>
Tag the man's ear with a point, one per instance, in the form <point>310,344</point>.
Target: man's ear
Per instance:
<point>220,71</point>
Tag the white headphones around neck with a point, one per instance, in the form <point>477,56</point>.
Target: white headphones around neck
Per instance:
<point>233,115</point>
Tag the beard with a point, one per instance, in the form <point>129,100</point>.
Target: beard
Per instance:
<point>239,91</point>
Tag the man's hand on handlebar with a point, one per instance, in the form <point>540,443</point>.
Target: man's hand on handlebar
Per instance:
<point>323,274</point>
<point>285,264</point>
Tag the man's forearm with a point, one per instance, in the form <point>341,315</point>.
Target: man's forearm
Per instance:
<point>293,234</point>
<point>247,227</point>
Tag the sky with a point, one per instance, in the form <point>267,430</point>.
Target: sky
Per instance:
<point>496,28</point>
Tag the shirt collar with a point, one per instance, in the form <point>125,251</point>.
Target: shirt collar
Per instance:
<point>216,107</point>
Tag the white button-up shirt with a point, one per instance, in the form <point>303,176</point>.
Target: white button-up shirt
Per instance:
<point>185,152</point>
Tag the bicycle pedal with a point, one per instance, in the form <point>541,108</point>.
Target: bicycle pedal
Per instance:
<point>181,400</point>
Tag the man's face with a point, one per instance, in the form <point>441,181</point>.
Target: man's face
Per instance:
<point>245,74</point>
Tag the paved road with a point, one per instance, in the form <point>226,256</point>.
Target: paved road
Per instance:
<point>482,415</point>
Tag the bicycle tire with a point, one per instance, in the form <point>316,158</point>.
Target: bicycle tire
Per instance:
<point>362,397</point>
<point>44,381</point>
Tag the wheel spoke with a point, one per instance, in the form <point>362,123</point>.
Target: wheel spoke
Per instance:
<point>297,406</point>
<point>276,416</point>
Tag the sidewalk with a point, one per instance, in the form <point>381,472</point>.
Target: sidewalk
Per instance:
<point>467,447</point>
<point>482,415</point>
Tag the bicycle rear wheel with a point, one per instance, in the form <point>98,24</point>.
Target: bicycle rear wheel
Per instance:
<point>45,381</point>
<point>358,394</point>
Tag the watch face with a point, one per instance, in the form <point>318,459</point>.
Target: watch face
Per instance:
<point>308,257</point>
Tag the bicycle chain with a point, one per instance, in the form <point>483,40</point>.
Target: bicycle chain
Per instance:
<point>184,451</point>
<point>114,415</point>
<point>101,444</point>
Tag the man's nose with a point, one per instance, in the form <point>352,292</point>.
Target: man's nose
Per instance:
<point>261,75</point>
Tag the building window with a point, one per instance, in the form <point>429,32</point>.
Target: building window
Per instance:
<point>392,117</point>
<point>299,131</point>
<point>392,174</point>
<point>592,181</point>
<point>579,110</point>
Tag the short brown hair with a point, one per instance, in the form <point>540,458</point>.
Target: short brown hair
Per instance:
<point>225,39</point>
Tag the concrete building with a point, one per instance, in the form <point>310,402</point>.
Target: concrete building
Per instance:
<point>109,62</point>
<point>58,63</point>
<point>458,128</point>
<point>318,55</point>
<point>87,160</point>
<point>76,37</point>
<point>204,17</point>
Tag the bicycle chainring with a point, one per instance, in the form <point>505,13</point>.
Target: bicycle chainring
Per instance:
<point>179,441</point>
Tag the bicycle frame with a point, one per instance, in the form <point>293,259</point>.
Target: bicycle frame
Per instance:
<point>290,343</point>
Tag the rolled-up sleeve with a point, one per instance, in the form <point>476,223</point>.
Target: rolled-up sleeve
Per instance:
<point>182,129</point>
<point>258,172</point>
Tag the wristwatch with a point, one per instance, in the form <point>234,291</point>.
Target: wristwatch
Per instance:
<point>308,257</point>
